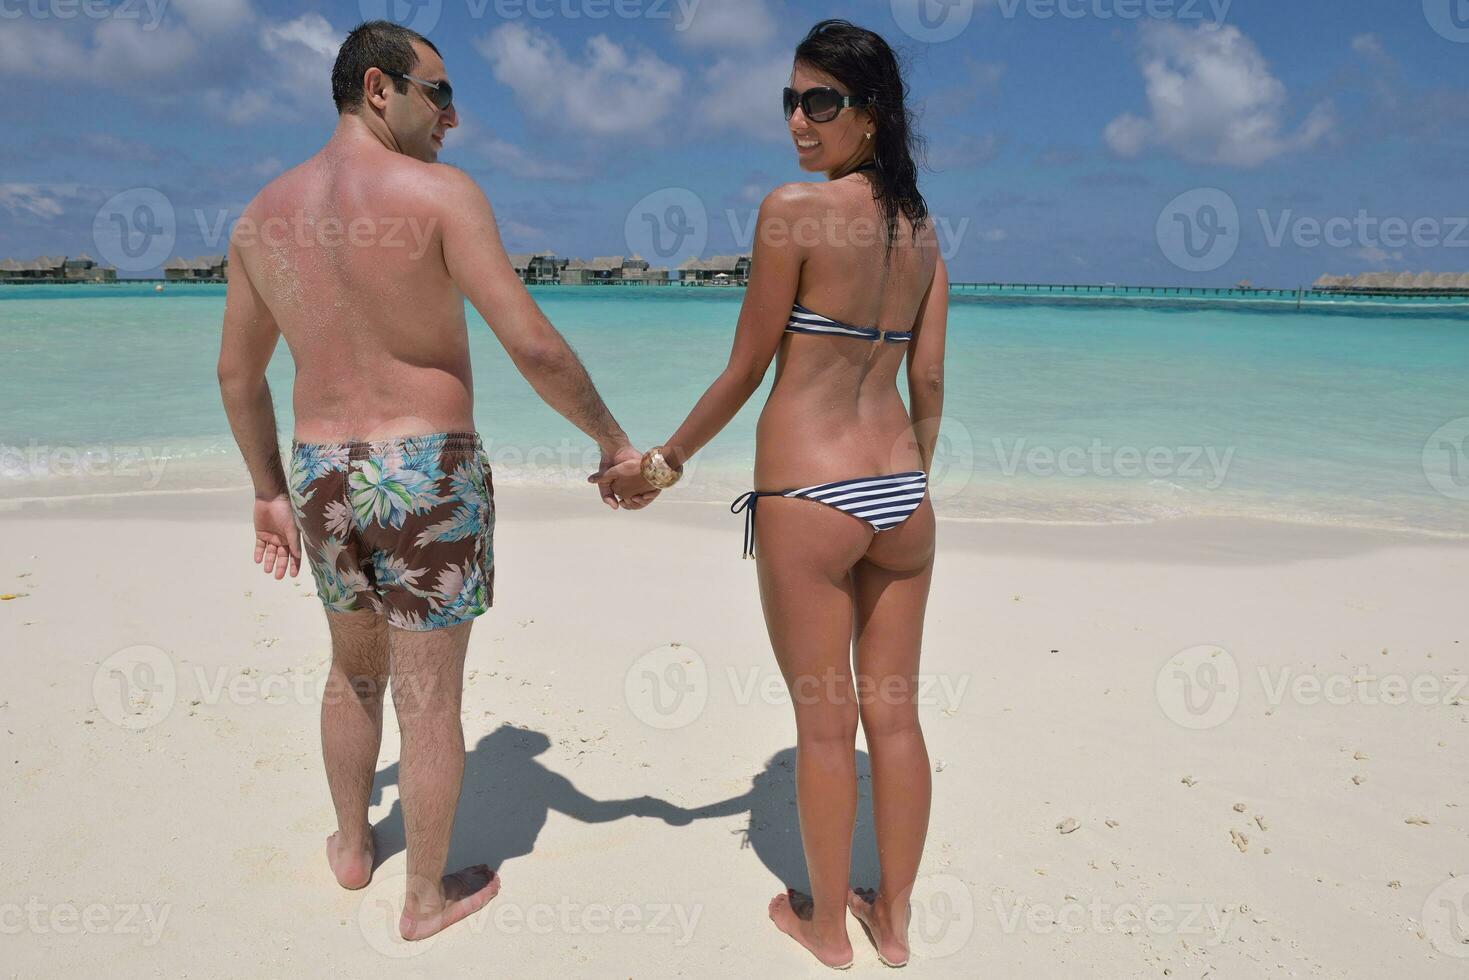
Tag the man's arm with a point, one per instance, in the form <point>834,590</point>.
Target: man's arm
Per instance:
<point>477,263</point>
<point>249,338</point>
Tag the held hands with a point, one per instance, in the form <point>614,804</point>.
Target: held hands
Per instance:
<point>620,481</point>
<point>277,542</point>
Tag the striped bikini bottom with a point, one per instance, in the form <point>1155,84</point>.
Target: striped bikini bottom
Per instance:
<point>882,501</point>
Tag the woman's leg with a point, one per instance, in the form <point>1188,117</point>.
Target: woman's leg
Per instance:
<point>805,553</point>
<point>891,591</point>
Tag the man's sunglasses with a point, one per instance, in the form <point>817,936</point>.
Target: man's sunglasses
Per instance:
<point>441,94</point>
<point>822,104</point>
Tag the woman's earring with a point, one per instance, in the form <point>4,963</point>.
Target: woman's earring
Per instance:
<point>869,136</point>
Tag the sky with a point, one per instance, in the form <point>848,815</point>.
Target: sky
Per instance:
<point>1152,142</point>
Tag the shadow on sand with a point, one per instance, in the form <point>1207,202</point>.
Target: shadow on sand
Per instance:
<point>508,794</point>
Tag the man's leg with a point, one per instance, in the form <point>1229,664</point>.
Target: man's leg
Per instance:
<point>351,734</point>
<point>428,684</point>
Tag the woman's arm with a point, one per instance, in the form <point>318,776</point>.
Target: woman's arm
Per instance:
<point>926,364</point>
<point>775,273</point>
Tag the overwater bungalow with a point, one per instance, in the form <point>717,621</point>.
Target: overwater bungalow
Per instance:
<point>59,268</point>
<point>722,270</point>
<point>203,268</point>
<point>1400,283</point>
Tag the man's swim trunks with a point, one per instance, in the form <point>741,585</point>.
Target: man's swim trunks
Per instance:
<point>404,527</point>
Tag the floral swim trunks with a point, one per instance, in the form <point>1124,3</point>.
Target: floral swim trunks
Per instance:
<point>405,526</point>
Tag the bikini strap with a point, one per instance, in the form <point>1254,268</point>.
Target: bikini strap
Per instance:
<point>746,502</point>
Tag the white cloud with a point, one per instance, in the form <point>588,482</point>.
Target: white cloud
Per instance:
<point>964,152</point>
<point>44,201</point>
<point>612,91</point>
<point>515,161</point>
<point>743,95</point>
<point>1369,46</point>
<point>725,23</point>
<point>1212,99</point>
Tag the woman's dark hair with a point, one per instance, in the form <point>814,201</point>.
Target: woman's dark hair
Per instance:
<point>863,62</point>
<point>377,44</point>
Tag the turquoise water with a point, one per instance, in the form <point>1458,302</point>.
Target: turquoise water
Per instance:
<point>1100,411</point>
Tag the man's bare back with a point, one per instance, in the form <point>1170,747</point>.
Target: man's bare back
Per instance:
<point>346,252</point>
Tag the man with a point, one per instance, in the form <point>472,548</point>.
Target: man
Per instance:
<point>361,258</point>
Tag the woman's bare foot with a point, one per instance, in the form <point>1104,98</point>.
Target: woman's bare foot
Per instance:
<point>351,864</point>
<point>882,924</point>
<point>791,913</point>
<point>465,893</point>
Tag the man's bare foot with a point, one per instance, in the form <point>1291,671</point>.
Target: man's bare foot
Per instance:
<point>465,893</point>
<point>791,913</point>
<point>889,936</point>
<point>351,865</point>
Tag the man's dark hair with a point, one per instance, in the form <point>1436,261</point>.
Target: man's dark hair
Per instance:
<point>377,44</point>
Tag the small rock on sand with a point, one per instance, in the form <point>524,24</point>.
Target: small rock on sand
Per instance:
<point>1417,821</point>
<point>1067,826</point>
<point>1239,808</point>
<point>1111,823</point>
<point>1188,780</point>
<point>1240,840</point>
<point>1260,821</point>
<point>1360,756</point>
<point>1359,780</point>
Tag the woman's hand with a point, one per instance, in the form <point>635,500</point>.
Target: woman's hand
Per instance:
<point>624,483</point>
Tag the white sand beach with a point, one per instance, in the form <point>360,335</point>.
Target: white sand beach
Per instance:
<point>1292,800</point>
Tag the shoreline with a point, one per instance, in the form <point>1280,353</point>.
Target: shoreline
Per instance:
<point>1221,539</point>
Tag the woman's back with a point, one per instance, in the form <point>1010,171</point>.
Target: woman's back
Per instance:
<point>835,410</point>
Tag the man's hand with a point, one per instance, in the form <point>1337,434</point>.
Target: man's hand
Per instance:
<point>620,481</point>
<point>277,541</point>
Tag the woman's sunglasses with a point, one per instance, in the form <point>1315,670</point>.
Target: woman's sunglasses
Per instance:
<point>821,104</point>
<point>441,94</point>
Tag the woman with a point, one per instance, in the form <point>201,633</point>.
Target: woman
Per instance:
<point>845,537</point>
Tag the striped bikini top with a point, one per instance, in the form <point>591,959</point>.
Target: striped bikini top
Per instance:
<point>806,321</point>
